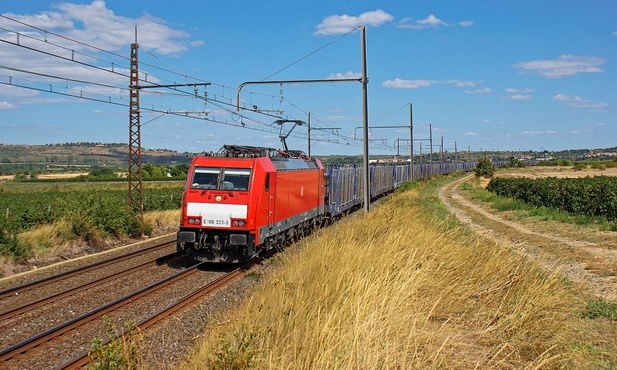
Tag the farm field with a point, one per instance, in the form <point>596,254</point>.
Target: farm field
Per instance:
<point>44,223</point>
<point>559,172</point>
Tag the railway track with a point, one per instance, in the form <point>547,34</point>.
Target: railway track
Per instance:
<point>12,312</point>
<point>71,336</point>
<point>20,289</point>
<point>82,359</point>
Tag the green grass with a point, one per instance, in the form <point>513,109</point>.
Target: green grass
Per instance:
<point>601,308</point>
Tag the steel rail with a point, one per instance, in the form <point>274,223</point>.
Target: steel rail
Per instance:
<point>66,274</point>
<point>82,359</point>
<point>52,298</point>
<point>36,340</point>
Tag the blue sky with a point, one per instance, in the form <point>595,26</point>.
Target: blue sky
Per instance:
<point>482,75</point>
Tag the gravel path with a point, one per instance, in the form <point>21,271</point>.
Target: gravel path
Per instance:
<point>577,271</point>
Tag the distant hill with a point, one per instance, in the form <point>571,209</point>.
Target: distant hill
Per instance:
<point>75,157</point>
<point>81,155</point>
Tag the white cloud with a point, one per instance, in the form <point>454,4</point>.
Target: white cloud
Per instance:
<point>7,106</point>
<point>408,84</point>
<point>96,28</point>
<point>519,91</point>
<point>341,118</point>
<point>16,92</point>
<point>459,83</point>
<point>430,22</point>
<point>472,134</point>
<point>486,90</point>
<point>340,24</point>
<point>95,24</point>
<point>547,132</point>
<point>577,102</point>
<point>565,65</point>
<point>414,84</point>
<point>519,97</point>
<point>348,74</point>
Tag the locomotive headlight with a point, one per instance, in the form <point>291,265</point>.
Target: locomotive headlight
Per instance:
<point>238,223</point>
<point>194,220</point>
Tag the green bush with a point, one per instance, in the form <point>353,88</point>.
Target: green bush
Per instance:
<point>589,196</point>
<point>484,168</point>
<point>121,352</point>
<point>234,352</point>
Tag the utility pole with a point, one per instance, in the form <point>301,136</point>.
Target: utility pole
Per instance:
<point>308,122</point>
<point>411,142</point>
<point>135,196</point>
<point>441,151</point>
<point>430,130</point>
<point>455,152</point>
<point>364,80</point>
<point>316,128</point>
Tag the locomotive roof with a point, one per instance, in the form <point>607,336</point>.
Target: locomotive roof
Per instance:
<point>293,164</point>
<point>281,160</point>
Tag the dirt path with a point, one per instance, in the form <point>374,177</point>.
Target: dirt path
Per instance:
<point>578,257</point>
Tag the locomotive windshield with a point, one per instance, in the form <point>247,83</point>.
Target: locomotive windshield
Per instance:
<point>221,178</point>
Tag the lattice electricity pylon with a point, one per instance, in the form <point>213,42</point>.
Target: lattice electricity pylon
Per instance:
<point>135,200</point>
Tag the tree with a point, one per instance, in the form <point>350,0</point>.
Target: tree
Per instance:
<point>484,168</point>
<point>179,170</point>
<point>106,173</point>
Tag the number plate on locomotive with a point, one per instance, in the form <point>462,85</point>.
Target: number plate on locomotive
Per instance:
<point>216,222</point>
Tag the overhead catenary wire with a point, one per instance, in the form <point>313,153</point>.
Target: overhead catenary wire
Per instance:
<point>121,69</point>
<point>311,53</point>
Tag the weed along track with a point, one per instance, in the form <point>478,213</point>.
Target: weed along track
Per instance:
<point>583,256</point>
<point>153,302</point>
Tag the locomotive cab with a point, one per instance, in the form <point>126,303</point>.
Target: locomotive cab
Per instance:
<point>246,200</point>
<point>216,221</point>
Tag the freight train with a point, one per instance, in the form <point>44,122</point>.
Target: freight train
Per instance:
<point>248,199</point>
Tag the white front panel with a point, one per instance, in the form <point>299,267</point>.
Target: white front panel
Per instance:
<point>216,215</point>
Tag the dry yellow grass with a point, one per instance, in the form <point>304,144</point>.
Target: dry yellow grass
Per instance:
<point>50,243</point>
<point>390,290</point>
<point>163,221</point>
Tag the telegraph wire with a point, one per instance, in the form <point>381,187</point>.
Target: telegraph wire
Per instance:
<point>311,53</point>
<point>114,67</point>
<point>63,78</point>
<point>112,64</point>
<point>100,100</point>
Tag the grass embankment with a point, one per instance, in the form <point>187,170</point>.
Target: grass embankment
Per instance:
<point>44,222</point>
<point>400,288</point>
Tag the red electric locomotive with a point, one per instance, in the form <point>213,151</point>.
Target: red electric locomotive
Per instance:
<point>247,199</point>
